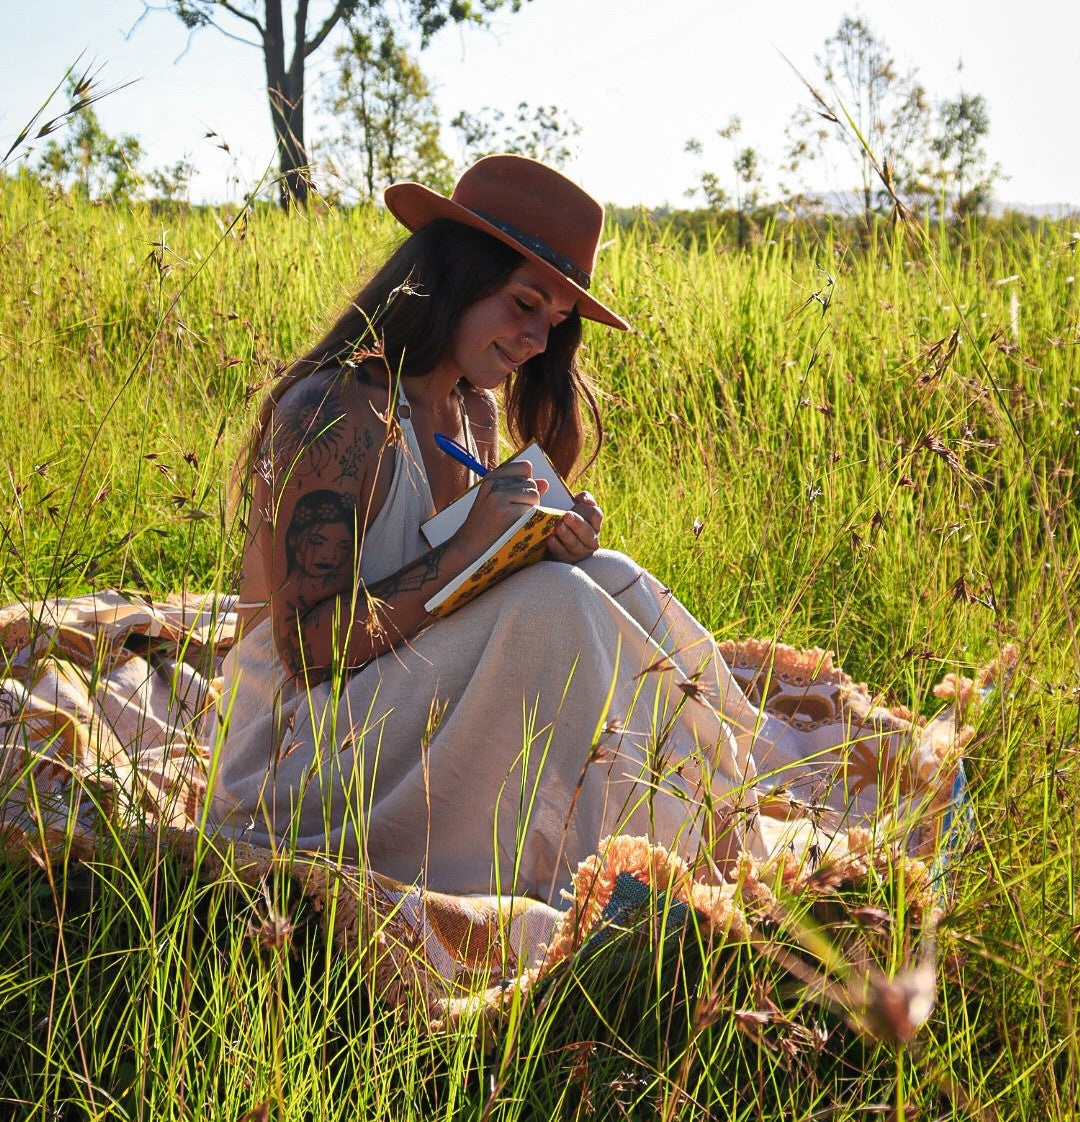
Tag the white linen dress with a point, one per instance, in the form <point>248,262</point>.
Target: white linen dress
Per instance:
<point>494,750</point>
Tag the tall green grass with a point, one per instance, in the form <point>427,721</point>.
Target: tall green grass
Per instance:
<point>866,447</point>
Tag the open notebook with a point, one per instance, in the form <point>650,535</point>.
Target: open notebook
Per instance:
<point>521,544</point>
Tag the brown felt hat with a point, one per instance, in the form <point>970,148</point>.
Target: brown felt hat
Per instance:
<point>527,205</point>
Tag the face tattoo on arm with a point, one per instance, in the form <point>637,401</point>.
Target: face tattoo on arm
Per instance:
<point>321,539</point>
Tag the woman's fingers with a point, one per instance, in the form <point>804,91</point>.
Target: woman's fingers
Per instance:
<point>502,495</point>
<point>516,490</point>
<point>585,505</point>
<point>510,486</point>
<point>514,483</point>
<point>574,539</point>
<point>578,534</point>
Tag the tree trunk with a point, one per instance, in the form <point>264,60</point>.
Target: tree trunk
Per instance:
<point>364,117</point>
<point>285,90</point>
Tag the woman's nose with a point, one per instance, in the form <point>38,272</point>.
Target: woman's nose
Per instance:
<point>535,340</point>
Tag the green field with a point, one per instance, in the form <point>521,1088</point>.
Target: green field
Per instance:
<point>863,442</point>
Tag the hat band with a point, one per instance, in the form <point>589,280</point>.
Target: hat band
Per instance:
<point>553,257</point>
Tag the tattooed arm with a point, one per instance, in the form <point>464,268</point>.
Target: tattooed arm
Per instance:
<point>323,467</point>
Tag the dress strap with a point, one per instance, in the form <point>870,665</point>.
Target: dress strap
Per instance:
<point>404,409</point>
<point>410,458</point>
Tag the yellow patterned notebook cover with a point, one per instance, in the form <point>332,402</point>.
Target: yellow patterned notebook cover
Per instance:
<point>525,546</point>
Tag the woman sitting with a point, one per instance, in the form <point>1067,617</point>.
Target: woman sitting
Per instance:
<point>490,750</point>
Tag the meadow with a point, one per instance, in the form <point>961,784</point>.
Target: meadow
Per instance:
<point>861,442</point>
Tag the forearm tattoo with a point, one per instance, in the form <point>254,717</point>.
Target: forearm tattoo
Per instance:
<point>295,651</point>
<point>423,571</point>
<point>378,622</point>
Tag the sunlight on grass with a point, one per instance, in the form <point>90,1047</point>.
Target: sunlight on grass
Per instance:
<point>802,443</point>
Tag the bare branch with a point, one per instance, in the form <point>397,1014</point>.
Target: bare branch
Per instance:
<point>206,21</point>
<point>313,44</point>
<point>146,10</point>
<point>241,15</point>
<point>233,36</point>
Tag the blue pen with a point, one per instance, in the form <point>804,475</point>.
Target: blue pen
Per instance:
<point>452,448</point>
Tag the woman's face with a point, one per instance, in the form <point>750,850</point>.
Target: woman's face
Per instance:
<point>500,332</point>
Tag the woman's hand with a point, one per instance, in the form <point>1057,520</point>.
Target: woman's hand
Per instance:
<point>502,494</point>
<point>578,535</point>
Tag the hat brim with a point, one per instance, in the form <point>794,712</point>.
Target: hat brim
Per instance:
<point>415,205</point>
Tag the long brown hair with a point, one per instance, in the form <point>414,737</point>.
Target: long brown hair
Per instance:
<point>407,314</point>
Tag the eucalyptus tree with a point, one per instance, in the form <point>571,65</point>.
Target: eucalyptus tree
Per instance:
<point>385,123</point>
<point>289,34</point>
<point>746,174</point>
<point>542,132</point>
<point>882,115</point>
<point>963,126</point>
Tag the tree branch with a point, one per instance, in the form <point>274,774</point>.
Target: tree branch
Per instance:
<point>332,20</point>
<point>300,52</point>
<point>207,22</point>
<point>241,15</point>
<point>228,35</point>
<point>146,10</point>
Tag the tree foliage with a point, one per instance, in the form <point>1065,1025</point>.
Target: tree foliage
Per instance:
<point>746,174</point>
<point>82,157</point>
<point>890,115</point>
<point>886,121</point>
<point>287,43</point>
<point>388,122</point>
<point>542,132</point>
<point>87,160</point>
<point>171,181</point>
<point>964,123</point>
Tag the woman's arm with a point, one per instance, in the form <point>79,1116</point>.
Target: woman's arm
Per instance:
<point>323,469</point>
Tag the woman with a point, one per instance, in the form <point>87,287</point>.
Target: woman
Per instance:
<point>490,750</point>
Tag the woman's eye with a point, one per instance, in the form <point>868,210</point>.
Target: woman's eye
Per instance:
<point>524,305</point>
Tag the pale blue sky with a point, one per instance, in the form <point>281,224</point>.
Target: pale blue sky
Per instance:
<point>640,76</point>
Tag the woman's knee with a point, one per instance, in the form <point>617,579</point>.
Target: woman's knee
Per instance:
<point>614,572</point>
<point>547,600</point>
<point>554,587</point>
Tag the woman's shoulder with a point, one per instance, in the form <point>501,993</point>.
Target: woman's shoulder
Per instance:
<point>325,420</point>
<point>330,396</point>
<point>326,389</point>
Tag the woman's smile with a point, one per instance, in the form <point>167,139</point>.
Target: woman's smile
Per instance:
<point>511,363</point>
